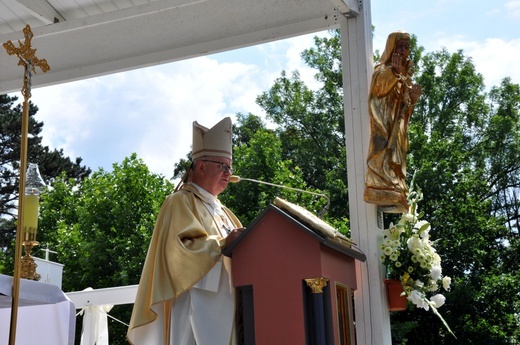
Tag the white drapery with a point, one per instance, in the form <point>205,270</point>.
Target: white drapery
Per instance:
<point>45,314</point>
<point>95,325</point>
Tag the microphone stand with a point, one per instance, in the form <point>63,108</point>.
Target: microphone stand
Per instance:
<point>235,179</point>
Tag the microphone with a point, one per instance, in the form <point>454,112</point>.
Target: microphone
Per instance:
<point>236,179</point>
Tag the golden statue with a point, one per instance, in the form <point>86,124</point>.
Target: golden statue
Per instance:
<point>391,100</point>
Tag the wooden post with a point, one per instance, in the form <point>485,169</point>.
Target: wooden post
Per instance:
<point>372,316</point>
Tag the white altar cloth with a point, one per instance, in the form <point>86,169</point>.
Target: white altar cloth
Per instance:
<point>45,314</point>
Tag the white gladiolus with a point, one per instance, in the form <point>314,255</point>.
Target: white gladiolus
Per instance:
<point>438,300</point>
<point>408,217</point>
<point>446,282</point>
<point>436,260</point>
<point>425,235</point>
<point>410,256</point>
<point>418,299</point>
<point>422,223</point>
<point>436,272</point>
<point>414,243</point>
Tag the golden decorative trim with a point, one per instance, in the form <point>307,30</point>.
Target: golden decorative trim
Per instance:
<point>28,264</point>
<point>27,59</point>
<point>317,284</point>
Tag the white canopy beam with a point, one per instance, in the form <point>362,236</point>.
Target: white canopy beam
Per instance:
<point>162,31</point>
<point>40,9</point>
<point>349,8</point>
<point>112,296</point>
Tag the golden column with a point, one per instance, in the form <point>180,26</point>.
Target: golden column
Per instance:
<point>27,59</point>
<point>317,284</point>
<point>317,313</point>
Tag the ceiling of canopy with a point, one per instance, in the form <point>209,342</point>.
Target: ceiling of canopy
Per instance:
<point>86,38</point>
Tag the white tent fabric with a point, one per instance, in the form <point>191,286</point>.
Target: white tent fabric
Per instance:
<point>45,314</point>
<point>95,324</point>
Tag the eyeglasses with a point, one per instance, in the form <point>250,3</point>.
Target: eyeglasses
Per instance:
<point>222,166</point>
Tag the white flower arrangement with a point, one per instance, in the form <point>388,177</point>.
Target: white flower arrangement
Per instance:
<point>410,256</point>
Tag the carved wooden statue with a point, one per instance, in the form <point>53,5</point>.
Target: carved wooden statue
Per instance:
<point>392,99</point>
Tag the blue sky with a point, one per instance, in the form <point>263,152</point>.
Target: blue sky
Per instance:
<point>150,111</point>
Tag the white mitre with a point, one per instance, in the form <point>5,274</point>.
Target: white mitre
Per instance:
<point>215,142</point>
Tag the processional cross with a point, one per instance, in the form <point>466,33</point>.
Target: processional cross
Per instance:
<point>27,59</point>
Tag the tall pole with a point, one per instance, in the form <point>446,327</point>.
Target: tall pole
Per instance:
<point>372,316</point>
<point>29,61</point>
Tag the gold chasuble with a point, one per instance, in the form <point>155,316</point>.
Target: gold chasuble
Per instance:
<point>185,246</point>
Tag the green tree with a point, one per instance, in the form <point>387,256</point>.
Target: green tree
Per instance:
<point>464,146</point>
<point>101,228</point>
<point>257,155</point>
<point>310,124</point>
<point>51,163</point>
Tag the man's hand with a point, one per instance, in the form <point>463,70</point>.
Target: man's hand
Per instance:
<point>233,235</point>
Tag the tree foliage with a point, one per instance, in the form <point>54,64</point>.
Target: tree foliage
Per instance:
<point>257,155</point>
<point>51,163</point>
<point>310,122</point>
<point>101,228</point>
<point>464,146</point>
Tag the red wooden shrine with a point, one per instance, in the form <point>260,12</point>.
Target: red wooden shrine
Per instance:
<point>283,255</point>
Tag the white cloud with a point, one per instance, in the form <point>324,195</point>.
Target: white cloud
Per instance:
<point>513,9</point>
<point>293,50</point>
<point>59,108</point>
<point>150,111</point>
<point>494,58</point>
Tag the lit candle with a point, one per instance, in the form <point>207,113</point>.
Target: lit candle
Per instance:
<point>33,189</point>
<point>30,216</point>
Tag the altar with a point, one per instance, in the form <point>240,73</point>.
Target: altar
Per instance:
<point>45,314</point>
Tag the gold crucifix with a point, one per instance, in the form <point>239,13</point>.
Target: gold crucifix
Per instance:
<point>27,59</point>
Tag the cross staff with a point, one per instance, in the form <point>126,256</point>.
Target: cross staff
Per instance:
<point>29,61</point>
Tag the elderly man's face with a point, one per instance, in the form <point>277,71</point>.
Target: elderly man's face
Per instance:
<point>215,174</point>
